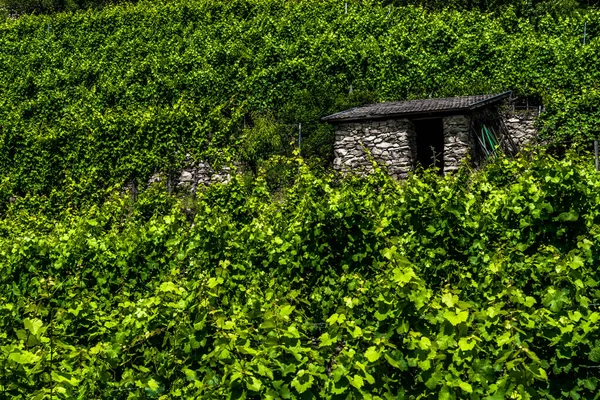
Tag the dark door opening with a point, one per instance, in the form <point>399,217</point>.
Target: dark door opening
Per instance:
<point>430,143</point>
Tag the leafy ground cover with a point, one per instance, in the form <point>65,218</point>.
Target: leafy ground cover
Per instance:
<point>480,286</point>
<point>93,99</point>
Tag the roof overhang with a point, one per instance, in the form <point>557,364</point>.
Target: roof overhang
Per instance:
<point>339,118</point>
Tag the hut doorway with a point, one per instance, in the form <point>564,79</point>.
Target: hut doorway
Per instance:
<point>430,142</point>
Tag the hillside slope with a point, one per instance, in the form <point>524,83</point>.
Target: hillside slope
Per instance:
<point>94,99</point>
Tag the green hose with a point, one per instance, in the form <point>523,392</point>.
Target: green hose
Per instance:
<point>488,141</point>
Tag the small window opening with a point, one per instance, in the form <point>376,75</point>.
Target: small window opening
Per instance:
<point>430,143</point>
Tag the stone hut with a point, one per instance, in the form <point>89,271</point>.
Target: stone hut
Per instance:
<point>431,132</point>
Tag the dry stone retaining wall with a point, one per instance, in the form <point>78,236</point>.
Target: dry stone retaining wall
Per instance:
<point>201,173</point>
<point>196,173</point>
<point>521,127</point>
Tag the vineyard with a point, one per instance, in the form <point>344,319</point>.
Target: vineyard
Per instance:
<point>477,286</point>
<point>92,100</point>
<point>291,281</point>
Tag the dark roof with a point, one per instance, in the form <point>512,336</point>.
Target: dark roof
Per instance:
<point>416,107</point>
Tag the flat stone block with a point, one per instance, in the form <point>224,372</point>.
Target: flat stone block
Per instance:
<point>186,176</point>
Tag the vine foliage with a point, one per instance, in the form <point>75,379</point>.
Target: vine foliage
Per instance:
<point>467,286</point>
<point>91,100</point>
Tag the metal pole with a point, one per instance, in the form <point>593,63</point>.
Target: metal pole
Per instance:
<point>584,32</point>
<point>299,135</point>
<point>596,153</point>
<point>346,8</point>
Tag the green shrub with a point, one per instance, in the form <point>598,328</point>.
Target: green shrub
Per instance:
<point>25,7</point>
<point>477,285</point>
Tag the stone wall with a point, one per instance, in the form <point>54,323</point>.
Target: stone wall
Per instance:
<point>521,127</point>
<point>195,174</point>
<point>201,173</point>
<point>391,142</point>
<point>456,141</point>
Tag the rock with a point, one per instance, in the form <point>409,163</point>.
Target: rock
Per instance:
<point>154,178</point>
<point>186,176</point>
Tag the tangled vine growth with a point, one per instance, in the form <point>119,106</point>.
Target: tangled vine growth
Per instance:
<point>94,99</point>
<point>469,286</point>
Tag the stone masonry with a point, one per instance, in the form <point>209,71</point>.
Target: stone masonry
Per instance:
<point>201,173</point>
<point>456,141</point>
<point>193,175</point>
<point>391,142</point>
<point>386,131</point>
<point>521,127</point>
